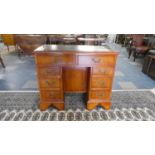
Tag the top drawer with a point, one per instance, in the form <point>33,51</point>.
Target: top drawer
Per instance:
<point>50,59</point>
<point>96,60</point>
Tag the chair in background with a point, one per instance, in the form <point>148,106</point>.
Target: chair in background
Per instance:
<point>8,40</point>
<point>1,61</point>
<point>138,46</point>
<point>129,48</point>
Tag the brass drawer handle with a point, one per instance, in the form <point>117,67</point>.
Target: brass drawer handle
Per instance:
<point>47,82</point>
<point>50,83</point>
<point>96,60</point>
<point>51,95</point>
<point>99,94</point>
<point>102,83</point>
<point>101,70</point>
<point>48,72</point>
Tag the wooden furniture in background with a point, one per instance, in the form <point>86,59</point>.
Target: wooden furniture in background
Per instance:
<point>120,39</point>
<point>91,41</point>
<point>151,71</point>
<point>69,39</point>
<point>1,61</point>
<point>138,46</point>
<point>75,68</point>
<point>149,64</point>
<point>8,40</point>
<point>0,38</point>
<point>27,43</point>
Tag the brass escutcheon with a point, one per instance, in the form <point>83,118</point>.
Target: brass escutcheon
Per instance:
<point>99,94</point>
<point>52,95</point>
<point>96,60</point>
<point>101,70</point>
<point>52,83</point>
<point>102,84</point>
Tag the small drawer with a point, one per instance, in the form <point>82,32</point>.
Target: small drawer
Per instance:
<point>51,59</point>
<point>47,72</point>
<point>103,71</point>
<point>96,60</point>
<point>53,82</point>
<point>67,59</point>
<point>50,94</point>
<point>101,82</point>
<point>46,59</point>
<point>101,95</point>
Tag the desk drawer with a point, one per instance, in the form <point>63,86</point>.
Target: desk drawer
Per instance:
<point>53,82</point>
<point>103,71</point>
<point>55,59</point>
<point>101,95</point>
<point>48,72</point>
<point>50,94</point>
<point>101,82</point>
<point>96,60</point>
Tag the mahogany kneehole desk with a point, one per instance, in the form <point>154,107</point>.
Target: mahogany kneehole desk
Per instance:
<point>75,68</point>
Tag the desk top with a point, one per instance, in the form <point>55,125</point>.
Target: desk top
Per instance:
<point>73,48</point>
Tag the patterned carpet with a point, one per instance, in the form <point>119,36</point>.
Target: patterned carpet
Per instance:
<point>126,106</point>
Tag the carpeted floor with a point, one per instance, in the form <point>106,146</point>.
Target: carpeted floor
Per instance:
<point>20,73</point>
<point>126,105</point>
